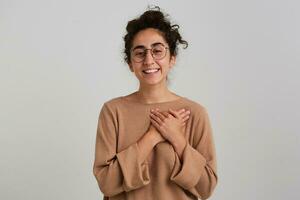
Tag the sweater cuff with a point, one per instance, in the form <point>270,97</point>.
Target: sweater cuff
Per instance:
<point>135,173</point>
<point>188,172</point>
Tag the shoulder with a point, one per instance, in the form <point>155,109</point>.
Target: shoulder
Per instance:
<point>197,108</point>
<point>199,112</point>
<point>111,104</point>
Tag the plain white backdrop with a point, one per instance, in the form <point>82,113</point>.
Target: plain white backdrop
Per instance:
<point>61,60</point>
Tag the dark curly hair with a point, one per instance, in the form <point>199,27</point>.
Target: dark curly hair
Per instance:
<point>153,18</point>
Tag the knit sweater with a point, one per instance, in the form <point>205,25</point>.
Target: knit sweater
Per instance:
<point>163,175</point>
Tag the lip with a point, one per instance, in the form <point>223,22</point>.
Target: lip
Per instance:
<point>158,69</point>
<point>150,69</point>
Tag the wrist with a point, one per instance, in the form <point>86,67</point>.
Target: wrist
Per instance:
<point>177,140</point>
<point>180,143</point>
<point>152,138</point>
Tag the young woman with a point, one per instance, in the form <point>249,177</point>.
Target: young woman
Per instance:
<point>153,143</point>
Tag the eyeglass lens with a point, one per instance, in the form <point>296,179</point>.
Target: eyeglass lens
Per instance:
<point>158,52</point>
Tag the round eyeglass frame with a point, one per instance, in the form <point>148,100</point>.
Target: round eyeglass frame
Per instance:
<point>151,50</point>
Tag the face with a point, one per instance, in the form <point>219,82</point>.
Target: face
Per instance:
<point>150,39</point>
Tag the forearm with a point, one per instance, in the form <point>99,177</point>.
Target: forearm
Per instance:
<point>121,171</point>
<point>179,145</point>
<point>146,144</point>
<point>195,172</point>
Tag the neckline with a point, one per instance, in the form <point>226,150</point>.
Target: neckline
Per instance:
<point>179,98</point>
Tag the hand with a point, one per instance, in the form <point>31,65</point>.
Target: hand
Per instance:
<point>156,135</point>
<point>183,114</point>
<point>171,127</point>
<point>170,124</point>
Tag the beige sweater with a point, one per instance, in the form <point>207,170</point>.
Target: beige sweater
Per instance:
<point>163,176</point>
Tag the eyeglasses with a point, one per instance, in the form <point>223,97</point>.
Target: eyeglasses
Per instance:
<point>158,52</point>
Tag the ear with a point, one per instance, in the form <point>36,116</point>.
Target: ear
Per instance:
<point>172,61</point>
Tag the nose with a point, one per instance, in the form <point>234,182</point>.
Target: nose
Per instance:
<point>149,60</point>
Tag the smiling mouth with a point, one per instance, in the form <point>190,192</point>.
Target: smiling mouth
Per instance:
<point>151,71</point>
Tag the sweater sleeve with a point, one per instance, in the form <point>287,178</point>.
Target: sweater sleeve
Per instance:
<point>197,171</point>
<point>114,171</point>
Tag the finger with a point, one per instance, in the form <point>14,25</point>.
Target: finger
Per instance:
<point>156,118</point>
<point>185,118</point>
<point>186,113</point>
<point>158,114</point>
<point>183,114</point>
<point>173,112</point>
<point>181,110</point>
<point>154,109</point>
<point>159,128</point>
<point>154,123</point>
<point>166,114</point>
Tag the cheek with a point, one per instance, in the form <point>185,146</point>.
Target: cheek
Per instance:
<point>165,66</point>
<point>135,67</point>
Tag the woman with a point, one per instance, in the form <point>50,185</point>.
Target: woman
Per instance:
<point>153,143</point>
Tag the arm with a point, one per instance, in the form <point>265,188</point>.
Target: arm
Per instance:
<point>148,142</point>
<point>125,170</point>
<point>172,128</point>
<point>196,171</point>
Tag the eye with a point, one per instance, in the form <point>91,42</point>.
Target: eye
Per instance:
<point>138,53</point>
<point>157,50</point>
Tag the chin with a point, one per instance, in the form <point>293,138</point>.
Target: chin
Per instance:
<point>153,82</point>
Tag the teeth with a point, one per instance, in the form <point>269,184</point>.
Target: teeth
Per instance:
<point>150,70</point>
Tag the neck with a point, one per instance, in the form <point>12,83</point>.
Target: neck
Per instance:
<point>154,93</point>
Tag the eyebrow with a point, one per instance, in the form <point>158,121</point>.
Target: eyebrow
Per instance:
<point>143,47</point>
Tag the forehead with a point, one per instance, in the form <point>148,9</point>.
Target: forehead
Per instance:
<point>148,37</point>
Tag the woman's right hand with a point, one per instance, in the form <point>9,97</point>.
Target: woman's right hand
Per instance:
<point>184,114</point>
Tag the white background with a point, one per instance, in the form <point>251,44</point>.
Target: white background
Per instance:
<point>60,60</point>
